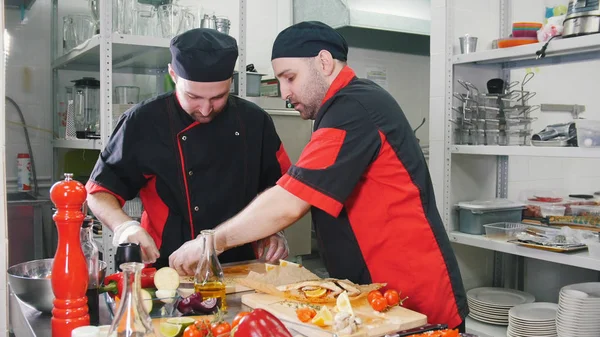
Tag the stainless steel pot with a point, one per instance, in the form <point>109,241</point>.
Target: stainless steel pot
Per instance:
<point>583,17</point>
<point>222,25</point>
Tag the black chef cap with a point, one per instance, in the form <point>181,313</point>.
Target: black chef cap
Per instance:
<point>307,39</point>
<point>203,55</point>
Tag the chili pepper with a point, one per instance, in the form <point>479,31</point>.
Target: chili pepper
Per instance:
<point>113,284</point>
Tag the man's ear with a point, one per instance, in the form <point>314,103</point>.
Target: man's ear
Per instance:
<point>172,73</point>
<point>326,62</point>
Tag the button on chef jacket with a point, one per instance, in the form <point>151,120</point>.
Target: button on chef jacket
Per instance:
<point>190,176</point>
<point>374,209</point>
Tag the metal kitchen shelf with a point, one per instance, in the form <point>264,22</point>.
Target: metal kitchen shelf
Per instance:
<point>530,151</point>
<point>483,329</point>
<point>130,54</point>
<point>557,47</point>
<point>86,144</point>
<point>577,259</point>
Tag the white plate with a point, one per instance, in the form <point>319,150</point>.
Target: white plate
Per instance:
<point>486,320</point>
<point>535,325</point>
<point>535,312</point>
<point>531,333</point>
<point>592,289</point>
<point>500,297</point>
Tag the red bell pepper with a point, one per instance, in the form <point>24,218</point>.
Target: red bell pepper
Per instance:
<point>113,284</point>
<point>261,323</point>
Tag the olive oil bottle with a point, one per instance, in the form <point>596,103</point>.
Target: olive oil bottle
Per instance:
<point>208,280</point>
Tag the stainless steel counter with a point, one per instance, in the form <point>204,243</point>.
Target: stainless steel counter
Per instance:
<point>28,322</point>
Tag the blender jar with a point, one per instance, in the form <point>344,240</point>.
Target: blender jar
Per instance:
<point>86,96</point>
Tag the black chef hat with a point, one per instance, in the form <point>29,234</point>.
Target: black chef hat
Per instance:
<point>307,39</point>
<point>203,55</point>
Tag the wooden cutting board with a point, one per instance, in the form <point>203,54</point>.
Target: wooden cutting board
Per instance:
<point>231,272</point>
<point>374,324</point>
<point>156,321</point>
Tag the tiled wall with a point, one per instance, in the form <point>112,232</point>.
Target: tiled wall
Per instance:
<point>567,84</point>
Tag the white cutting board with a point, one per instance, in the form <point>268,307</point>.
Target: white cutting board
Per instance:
<point>374,324</point>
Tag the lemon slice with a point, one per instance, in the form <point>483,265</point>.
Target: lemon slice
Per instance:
<point>315,293</point>
<point>269,267</point>
<point>284,263</point>
<point>183,321</point>
<point>323,317</point>
<point>170,330</point>
<point>343,303</point>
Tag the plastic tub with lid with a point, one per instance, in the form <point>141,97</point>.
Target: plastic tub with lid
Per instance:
<point>474,214</point>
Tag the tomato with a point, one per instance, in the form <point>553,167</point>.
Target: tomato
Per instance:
<point>305,314</point>
<point>220,328</point>
<point>238,318</point>
<point>379,304</point>
<point>373,294</point>
<point>392,297</point>
<point>192,331</point>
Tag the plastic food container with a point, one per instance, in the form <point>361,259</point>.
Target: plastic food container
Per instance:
<point>526,29</point>
<point>588,133</point>
<point>474,214</point>
<point>516,41</point>
<point>503,230</point>
<point>585,210</point>
<point>552,210</point>
<point>593,248</point>
<point>479,137</point>
<point>492,137</point>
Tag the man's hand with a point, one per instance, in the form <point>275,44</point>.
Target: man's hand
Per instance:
<point>275,247</point>
<point>131,231</point>
<point>185,259</point>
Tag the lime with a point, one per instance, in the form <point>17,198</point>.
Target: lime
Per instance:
<point>183,321</point>
<point>170,330</point>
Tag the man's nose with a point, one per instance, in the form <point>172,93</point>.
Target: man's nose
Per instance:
<point>205,108</point>
<point>285,92</point>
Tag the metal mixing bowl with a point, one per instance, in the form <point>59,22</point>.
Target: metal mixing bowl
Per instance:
<point>30,282</point>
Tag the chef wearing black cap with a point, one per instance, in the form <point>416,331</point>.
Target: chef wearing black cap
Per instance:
<point>365,177</point>
<point>196,157</point>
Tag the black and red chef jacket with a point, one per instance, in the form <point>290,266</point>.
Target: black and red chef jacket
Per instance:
<point>374,210</point>
<point>190,176</point>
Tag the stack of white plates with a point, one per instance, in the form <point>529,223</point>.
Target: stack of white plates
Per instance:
<point>532,320</point>
<point>491,305</point>
<point>578,310</point>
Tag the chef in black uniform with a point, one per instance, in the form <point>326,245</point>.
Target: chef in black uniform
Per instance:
<point>195,156</point>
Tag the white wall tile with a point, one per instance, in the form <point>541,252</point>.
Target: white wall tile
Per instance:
<point>438,30</point>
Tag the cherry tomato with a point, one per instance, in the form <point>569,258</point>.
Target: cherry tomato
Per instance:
<point>392,297</point>
<point>379,304</point>
<point>192,331</point>
<point>218,329</point>
<point>238,318</point>
<point>374,294</point>
<point>305,314</point>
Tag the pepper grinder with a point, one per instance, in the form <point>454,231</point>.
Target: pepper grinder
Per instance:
<point>69,270</point>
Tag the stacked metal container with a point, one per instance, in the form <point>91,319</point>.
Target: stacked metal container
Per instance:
<point>502,118</point>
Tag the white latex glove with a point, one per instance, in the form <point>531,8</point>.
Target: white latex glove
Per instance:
<point>132,231</point>
<point>273,248</point>
<point>185,259</point>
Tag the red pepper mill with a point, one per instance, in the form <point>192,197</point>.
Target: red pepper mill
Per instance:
<point>69,271</point>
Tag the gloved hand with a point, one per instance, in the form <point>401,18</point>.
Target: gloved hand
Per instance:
<point>185,259</point>
<point>132,231</point>
<point>272,248</point>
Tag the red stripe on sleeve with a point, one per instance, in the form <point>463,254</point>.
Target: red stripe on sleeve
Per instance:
<point>92,188</point>
<point>310,195</point>
<point>284,160</point>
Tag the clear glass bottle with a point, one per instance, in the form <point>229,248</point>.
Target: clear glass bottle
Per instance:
<point>131,319</point>
<point>208,280</point>
<point>92,257</point>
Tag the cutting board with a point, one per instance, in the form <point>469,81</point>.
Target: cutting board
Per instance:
<point>374,324</point>
<point>156,321</point>
<point>231,272</point>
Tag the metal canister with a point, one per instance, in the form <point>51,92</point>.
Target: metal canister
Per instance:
<point>23,172</point>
